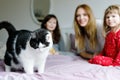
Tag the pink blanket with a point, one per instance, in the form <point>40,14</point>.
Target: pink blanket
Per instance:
<point>60,67</point>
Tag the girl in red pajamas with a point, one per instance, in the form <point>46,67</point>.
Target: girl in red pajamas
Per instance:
<point>111,51</point>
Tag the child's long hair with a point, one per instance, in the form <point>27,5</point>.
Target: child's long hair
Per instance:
<point>110,9</point>
<point>89,30</point>
<point>56,33</point>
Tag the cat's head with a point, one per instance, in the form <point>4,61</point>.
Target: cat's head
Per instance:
<point>41,39</point>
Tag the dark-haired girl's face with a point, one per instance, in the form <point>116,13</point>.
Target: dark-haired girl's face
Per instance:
<point>51,24</point>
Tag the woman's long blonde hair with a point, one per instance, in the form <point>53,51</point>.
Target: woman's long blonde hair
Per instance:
<point>89,30</point>
<point>110,9</point>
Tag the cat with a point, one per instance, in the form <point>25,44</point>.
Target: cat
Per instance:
<point>26,49</point>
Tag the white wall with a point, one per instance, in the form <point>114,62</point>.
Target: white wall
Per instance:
<point>19,12</point>
<point>64,9</point>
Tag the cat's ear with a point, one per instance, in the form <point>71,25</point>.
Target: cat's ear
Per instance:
<point>33,35</point>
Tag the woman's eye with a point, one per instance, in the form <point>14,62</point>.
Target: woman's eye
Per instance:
<point>77,15</point>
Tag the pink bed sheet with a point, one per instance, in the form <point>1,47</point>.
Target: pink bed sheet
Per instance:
<point>60,67</point>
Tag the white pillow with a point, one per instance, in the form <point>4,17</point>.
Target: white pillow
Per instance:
<point>99,22</point>
<point>65,34</point>
<point>2,51</point>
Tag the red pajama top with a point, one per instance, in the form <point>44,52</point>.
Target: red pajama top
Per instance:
<point>111,51</point>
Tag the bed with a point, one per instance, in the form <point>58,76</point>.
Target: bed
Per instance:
<point>62,67</point>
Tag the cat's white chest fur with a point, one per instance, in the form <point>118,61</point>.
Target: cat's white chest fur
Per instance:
<point>31,58</point>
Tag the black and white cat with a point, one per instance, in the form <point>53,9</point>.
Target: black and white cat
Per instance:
<point>26,49</point>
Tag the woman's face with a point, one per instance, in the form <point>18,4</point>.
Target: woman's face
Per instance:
<point>51,24</point>
<point>82,17</point>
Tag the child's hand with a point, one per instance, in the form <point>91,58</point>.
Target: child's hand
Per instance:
<point>53,51</point>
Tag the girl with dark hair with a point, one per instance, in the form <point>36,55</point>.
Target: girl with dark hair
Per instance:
<point>50,23</point>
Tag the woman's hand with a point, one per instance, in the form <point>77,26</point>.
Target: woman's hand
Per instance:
<point>86,55</point>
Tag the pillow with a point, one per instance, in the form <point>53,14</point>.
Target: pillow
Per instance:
<point>72,42</point>
<point>2,51</point>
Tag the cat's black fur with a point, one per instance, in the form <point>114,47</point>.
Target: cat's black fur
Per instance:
<point>18,41</point>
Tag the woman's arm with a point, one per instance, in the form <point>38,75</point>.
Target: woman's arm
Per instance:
<point>86,55</point>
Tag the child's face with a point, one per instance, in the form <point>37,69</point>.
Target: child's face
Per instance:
<point>51,24</point>
<point>113,19</point>
<point>82,17</point>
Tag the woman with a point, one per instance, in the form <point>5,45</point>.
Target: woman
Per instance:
<point>50,23</point>
<point>88,39</point>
